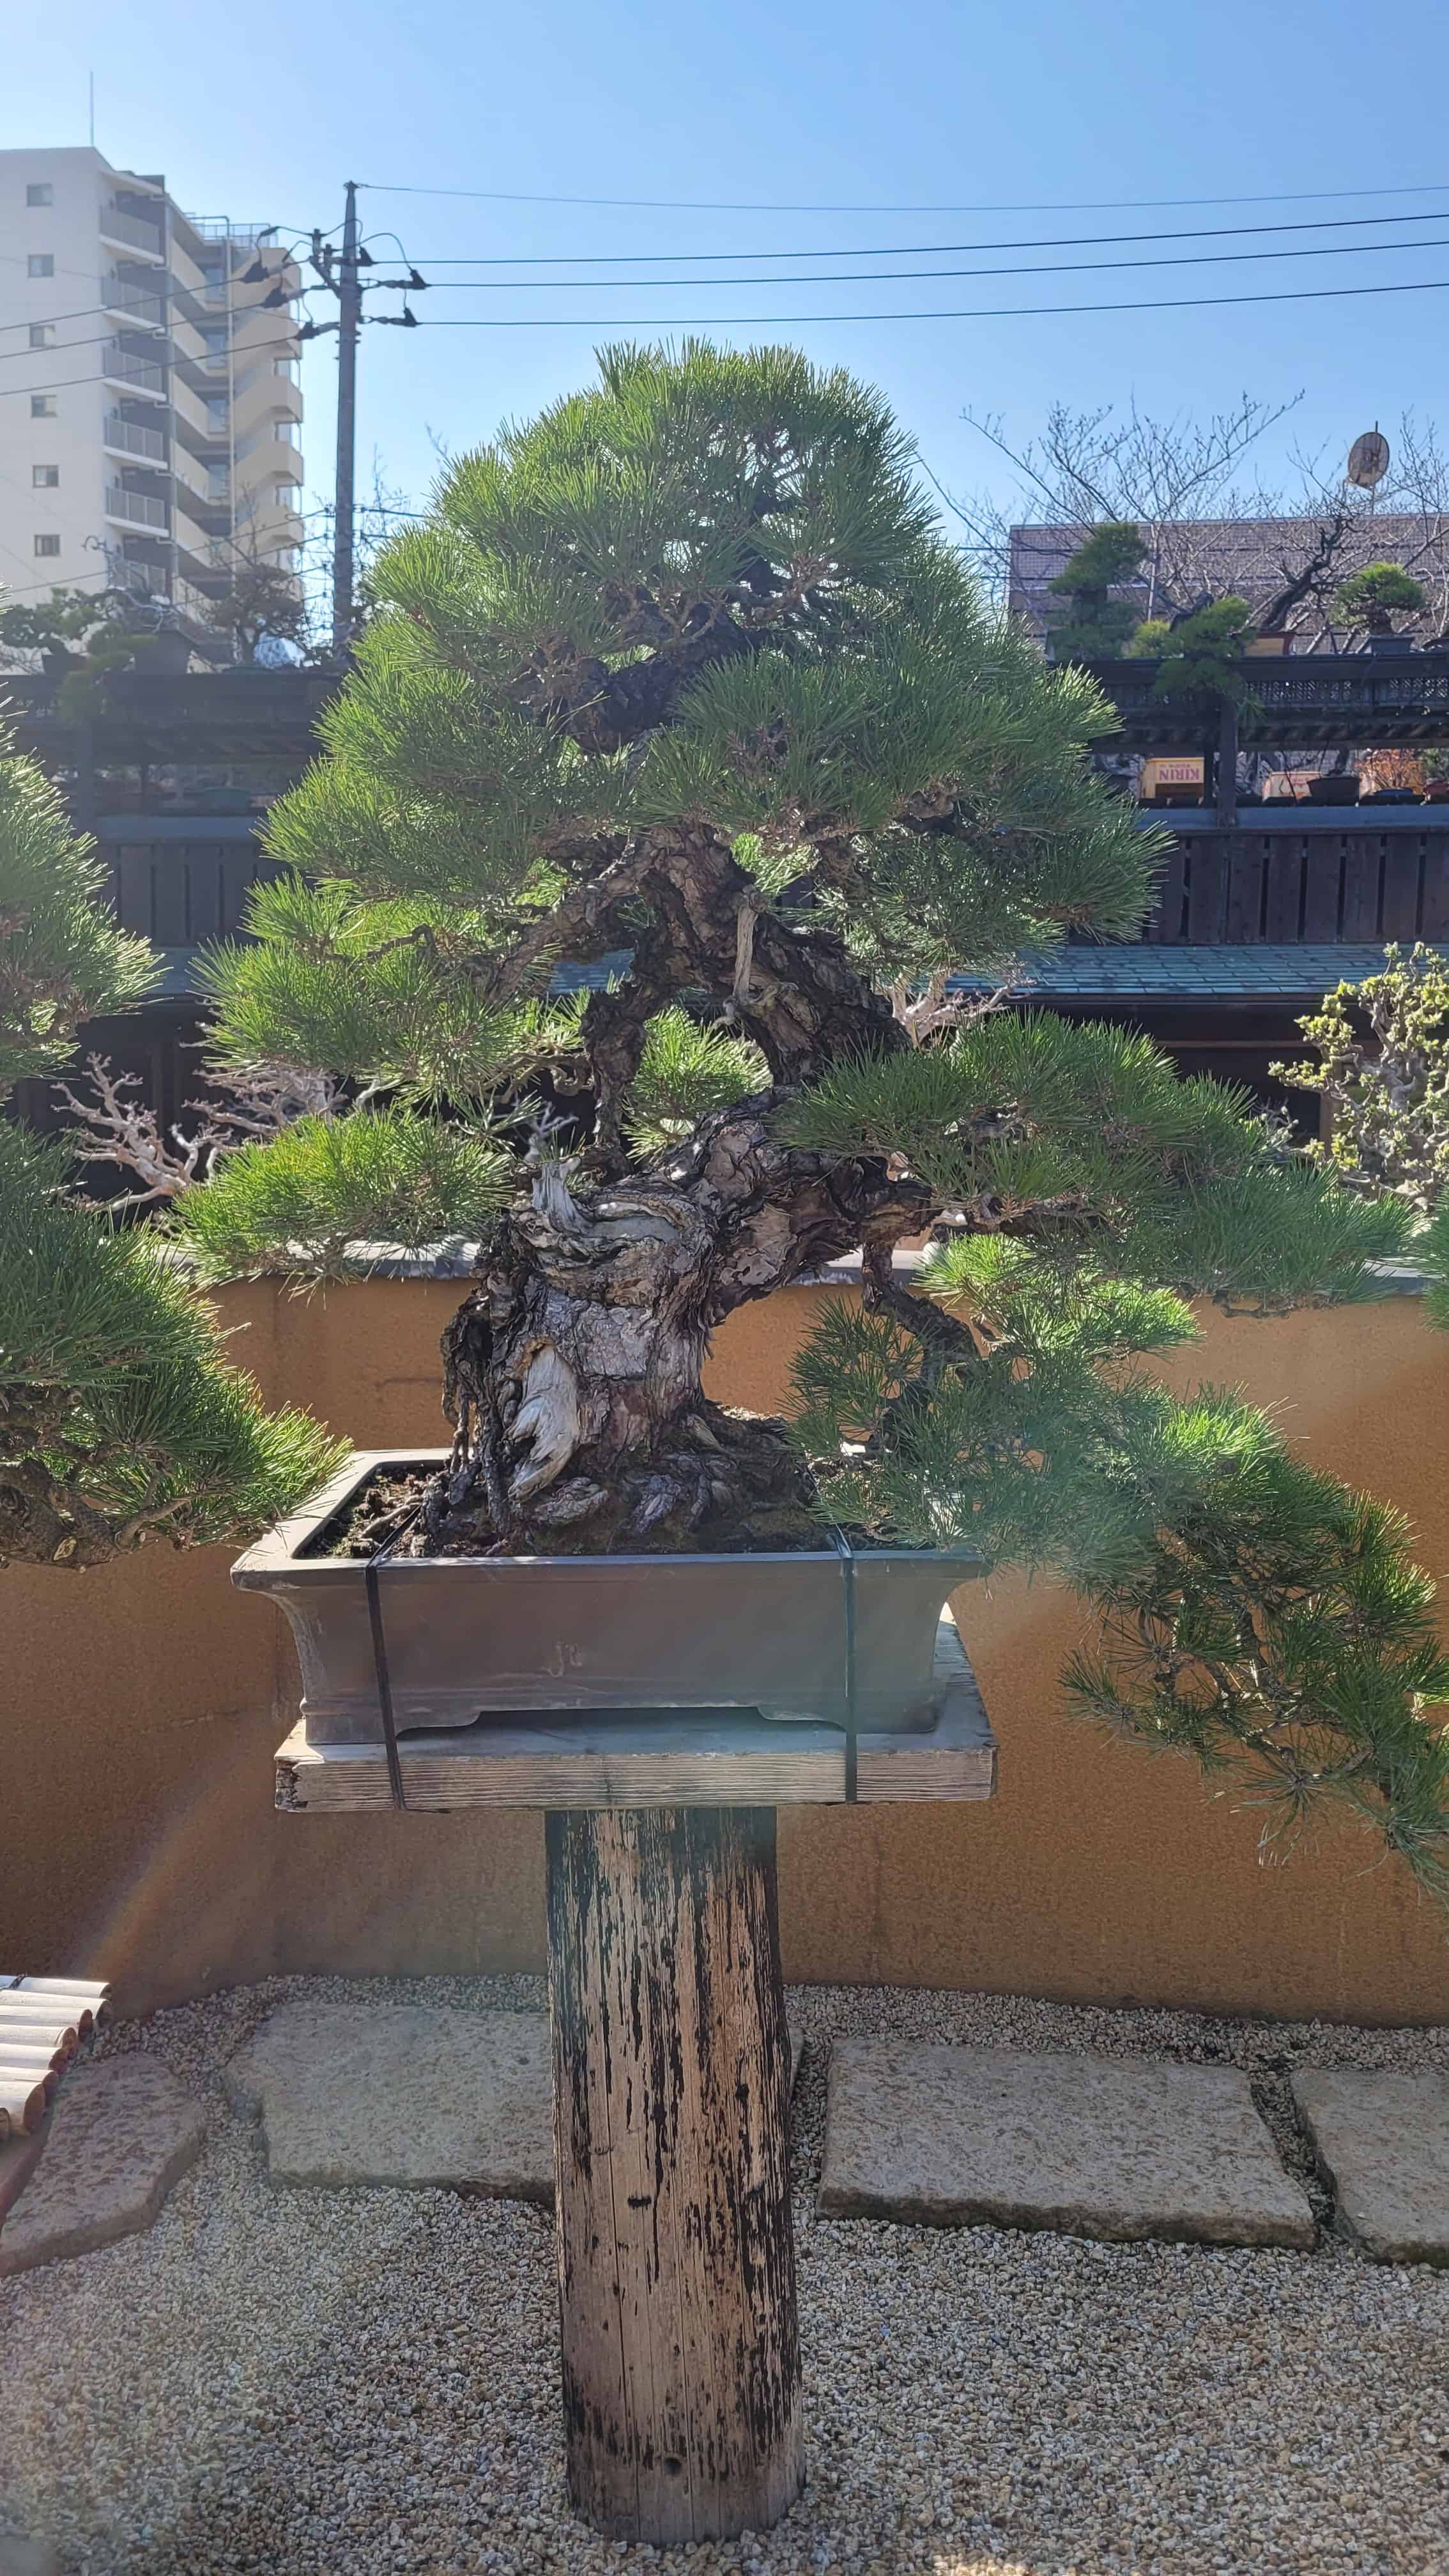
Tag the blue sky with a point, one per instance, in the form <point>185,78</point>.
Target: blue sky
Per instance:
<point>854,103</point>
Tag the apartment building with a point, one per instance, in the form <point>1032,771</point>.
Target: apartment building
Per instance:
<point>150,402</point>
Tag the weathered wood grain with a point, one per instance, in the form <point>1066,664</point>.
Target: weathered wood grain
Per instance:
<point>681,2370</point>
<point>654,1761</point>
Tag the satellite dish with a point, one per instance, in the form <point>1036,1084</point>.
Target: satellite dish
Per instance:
<point>1368,459</point>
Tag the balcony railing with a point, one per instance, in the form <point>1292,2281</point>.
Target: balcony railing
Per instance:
<point>1299,701</point>
<point>136,507</point>
<point>133,440</point>
<point>124,369</point>
<point>119,226</point>
<point>119,296</point>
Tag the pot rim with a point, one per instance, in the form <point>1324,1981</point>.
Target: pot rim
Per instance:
<point>278,1552</point>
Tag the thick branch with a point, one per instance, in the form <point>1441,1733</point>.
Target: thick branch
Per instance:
<point>603,710</point>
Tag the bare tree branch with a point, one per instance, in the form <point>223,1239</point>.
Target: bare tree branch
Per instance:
<point>258,1102</point>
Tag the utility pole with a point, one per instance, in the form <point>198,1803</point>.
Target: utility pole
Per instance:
<point>339,273</point>
<point>349,324</point>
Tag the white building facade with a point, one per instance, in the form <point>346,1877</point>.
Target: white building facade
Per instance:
<point>150,402</point>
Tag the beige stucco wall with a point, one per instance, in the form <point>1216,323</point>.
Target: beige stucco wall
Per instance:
<point>142,1704</point>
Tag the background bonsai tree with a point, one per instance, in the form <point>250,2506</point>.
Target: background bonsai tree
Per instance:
<point>1092,626</point>
<point>56,628</point>
<point>119,1418</point>
<point>1201,657</point>
<point>681,685</point>
<point>1383,1076</point>
<point>1368,598</point>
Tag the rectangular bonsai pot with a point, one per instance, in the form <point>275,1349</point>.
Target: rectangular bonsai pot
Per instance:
<point>469,1637</point>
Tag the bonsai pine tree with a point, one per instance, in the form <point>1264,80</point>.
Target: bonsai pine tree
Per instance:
<point>1092,626</point>
<point>681,691</point>
<point>119,1418</point>
<point>1368,598</point>
<point>1201,662</point>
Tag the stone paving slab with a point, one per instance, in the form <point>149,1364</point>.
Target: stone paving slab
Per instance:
<point>120,2135</point>
<point>1383,2142</point>
<point>22,2557</point>
<point>1114,2147</point>
<point>419,2095</point>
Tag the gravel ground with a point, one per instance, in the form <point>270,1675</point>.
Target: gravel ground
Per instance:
<point>339,2384</point>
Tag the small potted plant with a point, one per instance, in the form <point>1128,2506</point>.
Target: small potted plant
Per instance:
<point>1334,787</point>
<point>1369,598</point>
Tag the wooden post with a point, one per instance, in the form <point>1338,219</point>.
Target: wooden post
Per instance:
<point>1227,766</point>
<point>676,2260</point>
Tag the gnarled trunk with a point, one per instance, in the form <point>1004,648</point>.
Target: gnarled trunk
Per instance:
<point>573,1372</point>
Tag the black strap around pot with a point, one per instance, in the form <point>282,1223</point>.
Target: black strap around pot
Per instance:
<point>384,1678</point>
<point>846,1554</point>
<point>843,1549</point>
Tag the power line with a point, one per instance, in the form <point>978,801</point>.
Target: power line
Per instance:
<point>55,384</point>
<point>970,313</point>
<point>891,277</point>
<point>16,589</point>
<point>758,206</point>
<point>58,349</point>
<point>100,339</point>
<point>78,313</point>
<point>909,250</point>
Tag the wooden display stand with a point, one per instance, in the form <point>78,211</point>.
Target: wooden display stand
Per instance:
<point>676,2263</point>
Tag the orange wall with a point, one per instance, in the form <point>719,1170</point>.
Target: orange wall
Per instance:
<point>144,1701</point>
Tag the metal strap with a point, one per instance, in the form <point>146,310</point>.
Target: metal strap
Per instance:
<point>384,1680</point>
<point>846,1554</point>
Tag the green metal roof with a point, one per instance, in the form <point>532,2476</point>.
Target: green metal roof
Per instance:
<point>1186,973</point>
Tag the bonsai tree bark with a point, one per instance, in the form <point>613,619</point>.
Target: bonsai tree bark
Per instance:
<point>119,1419</point>
<point>682,695</point>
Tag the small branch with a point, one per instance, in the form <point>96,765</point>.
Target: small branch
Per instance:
<point>945,1341</point>
<point>751,904</point>
<point>924,1011</point>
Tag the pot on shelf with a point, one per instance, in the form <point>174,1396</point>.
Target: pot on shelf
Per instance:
<point>1339,789</point>
<point>473,1637</point>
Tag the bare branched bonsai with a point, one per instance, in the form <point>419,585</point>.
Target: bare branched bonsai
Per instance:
<point>1382,1073</point>
<point>681,690</point>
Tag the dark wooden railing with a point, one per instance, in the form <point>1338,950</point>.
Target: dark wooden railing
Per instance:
<point>181,883</point>
<point>1280,885</point>
<point>1303,701</point>
<point>181,893</point>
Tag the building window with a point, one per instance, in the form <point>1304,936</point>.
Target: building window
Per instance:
<point>42,406</point>
<point>42,335</point>
<point>47,545</point>
<point>41,263</point>
<point>46,478</point>
<point>39,192</point>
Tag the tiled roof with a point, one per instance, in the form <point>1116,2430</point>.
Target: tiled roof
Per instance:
<point>1188,973</point>
<point>1124,973</point>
